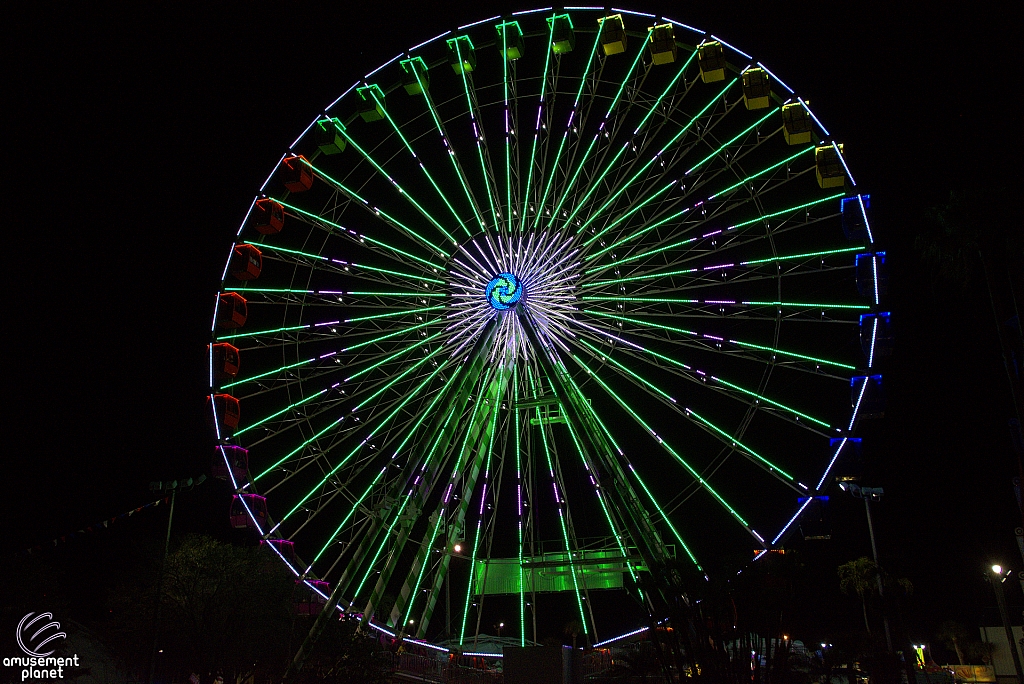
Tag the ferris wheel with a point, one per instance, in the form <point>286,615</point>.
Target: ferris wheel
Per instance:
<point>543,308</point>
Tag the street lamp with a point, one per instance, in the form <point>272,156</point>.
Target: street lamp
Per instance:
<point>870,494</point>
<point>996,579</point>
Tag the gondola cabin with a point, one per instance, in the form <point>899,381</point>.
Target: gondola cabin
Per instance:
<point>461,54</point>
<point>224,410</point>
<point>796,124</point>
<point>370,103</point>
<point>296,174</point>
<point>230,461</point>
<point>415,76</point>
<point>246,262</point>
<point>663,44</point>
<point>329,139</point>
<point>282,546</point>
<point>224,360</point>
<point>563,37</point>
<point>757,89</point>
<point>249,511</point>
<point>828,166</point>
<point>267,216</point>
<point>231,310</point>
<point>311,596</point>
<point>711,60</point>
<point>613,35</point>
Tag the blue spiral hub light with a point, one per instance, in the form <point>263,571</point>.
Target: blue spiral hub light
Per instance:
<point>504,291</point>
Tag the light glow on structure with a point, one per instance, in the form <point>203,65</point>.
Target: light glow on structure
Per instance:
<point>398,314</point>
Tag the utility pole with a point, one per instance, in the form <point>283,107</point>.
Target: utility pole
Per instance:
<point>997,586</point>
<point>173,486</point>
<point>869,494</point>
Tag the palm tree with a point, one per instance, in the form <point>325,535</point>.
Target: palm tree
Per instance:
<point>861,577</point>
<point>953,635</point>
<point>572,629</point>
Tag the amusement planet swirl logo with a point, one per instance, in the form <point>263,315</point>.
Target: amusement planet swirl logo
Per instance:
<point>35,633</point>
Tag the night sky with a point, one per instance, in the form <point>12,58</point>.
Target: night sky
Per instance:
<point>139,139</point>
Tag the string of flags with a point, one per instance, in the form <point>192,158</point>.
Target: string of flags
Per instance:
<point>103,524</point>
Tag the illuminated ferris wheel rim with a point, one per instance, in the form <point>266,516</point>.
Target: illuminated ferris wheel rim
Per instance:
<point>550,281</point>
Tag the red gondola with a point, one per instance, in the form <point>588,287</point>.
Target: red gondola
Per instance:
<point>296,174</point>
<point>246,262</point>
<point>268,216</point>
<point>225,361</point>
<point>232,310</point>
<point>225,410</point>
<point>237,463</point>
<point>244,504</point>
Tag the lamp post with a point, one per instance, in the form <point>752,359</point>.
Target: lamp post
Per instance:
<point>171,486</point>
<point>869,494</point>
<point>997,579</point>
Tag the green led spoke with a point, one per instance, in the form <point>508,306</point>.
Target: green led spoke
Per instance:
<point>380,212</point>
<point>355,507</point>
<point>803,256</point>
<point>292,251</point>
<point>257,333</point>
<point>811,305</point>
<point>393,314</point>
<point>625,370</point>
<point>519,504</point>
<point>561,515</point>
<point>270,372</point>
<point>629,214</point>
<point>460,466</point>
<point>478,134</point>
<point>275,415</point>
<point>361,237</point>
<point>661,326</point>
<point>391,357</point>
<point>586,155</point>
<point>770,401</point>
<point>391,180</point>
<point>390,335</point>
<point>704,483</point>
<point>630,279</point>
<point>670,300</point>
<point>618,193</point>
<point>676,215</point>
<point>786,211</point>
<point>639,233</point>
<point>398,377</point>
<point>565,136</point>
<point>423,568</point>
<point>761,173</point>
<point>664,516</point>
<point>508,138</point>
<point>395,294</point>
<point>423,168</point>
<point>405,501</point>
<point>607,515</point>
<point>736,442</point>
<point>270,289</point>
<point>732,140</point>
<point>451,153</point>
<point>536,132</point>
<point>663,274</point>
<point>658,250</point>
<point>352,453</point>
<point>399,273</point>
<point>593,413</point>
<point>793,354</point>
